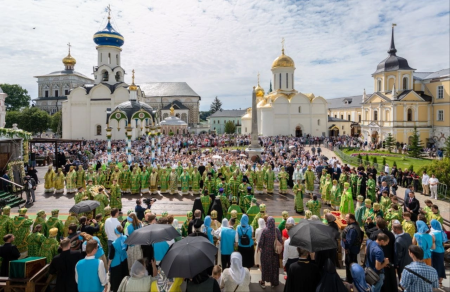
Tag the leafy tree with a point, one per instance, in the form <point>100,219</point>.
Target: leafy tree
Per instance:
<point>230,128</point>
<point>359,158</point>
<point>171,133</point>
<point>395,164</point>
<point>56,122</point>
<point>440,168</point>
<point>384,160</point>
<point>446,147</point>
<point>390,142</point>
<point>411,167</point>
<point>17,97</point>
<point>35,120</point>
<point>415,148</point>
<point>13,117</point>
<point>216,105</point>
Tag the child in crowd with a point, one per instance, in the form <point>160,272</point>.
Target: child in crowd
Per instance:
<point>217,274</point>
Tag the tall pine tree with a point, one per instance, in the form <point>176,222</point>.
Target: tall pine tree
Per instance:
<point>216,105</point>
<point>415,147</point>
<point>389,142</point>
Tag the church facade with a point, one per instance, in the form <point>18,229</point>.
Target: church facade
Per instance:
<point>403,99</point>
<point>284,110</point>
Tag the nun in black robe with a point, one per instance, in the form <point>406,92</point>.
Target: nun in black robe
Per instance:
<point>330,279</point>
<point>198,206</point>
<point>303,276</point>
<point>217,206</point>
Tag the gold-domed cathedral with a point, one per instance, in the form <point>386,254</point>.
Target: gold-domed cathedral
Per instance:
<point>403,99</point>
<point>284,110</point>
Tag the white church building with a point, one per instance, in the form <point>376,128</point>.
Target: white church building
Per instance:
<point>284,110</point>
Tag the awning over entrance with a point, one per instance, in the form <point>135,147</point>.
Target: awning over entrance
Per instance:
<point>333,127</point>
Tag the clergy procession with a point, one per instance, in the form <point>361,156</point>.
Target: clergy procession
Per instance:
<point>343,216</point>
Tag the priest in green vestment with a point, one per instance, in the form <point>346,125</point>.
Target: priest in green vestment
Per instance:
<point>59,180</point>
<point>309,180</point>
<point>40,219</point>
<point>343,179</point>
<point>259,180</point>
<point>335,195</point>
<point>20,228</point>
<point>253,210</point>
<point>5,222</point>
<point>154,182</point>
<point>115,196</point>
<point>34,241</point>
<point>347,206</point>
<point>164,177</point>
<point>135,181</point>
<point>102,198</point>
<point>234,214</point>
<point>54,222</point>
<point>185,226</point>
<point>322,179</point>
<point>269,178</point>
<point>233,185</point>
<point>371,186</point>
<point>234,206</point>
<point>125,180</point>
<point>283,177</point>
<point>81,177</point>
<point>297,189</point>
<point>185,182</point>
<point>314,206</point>
<point>206,202</point>
<point>80,195</point>
<point>195,181</point>
<point>362,212</point>
<point>49,180</point>
<point>326,189</point>
<point>71,219</point>
<point>261,213</point>
<point>71,180</point>
<point>145,181</point>
<point>49,247</point>
<point>173,182</point>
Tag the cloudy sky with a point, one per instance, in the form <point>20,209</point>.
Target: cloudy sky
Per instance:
<point>218,47</point>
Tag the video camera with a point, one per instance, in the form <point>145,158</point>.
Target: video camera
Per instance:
<point>148,201</point>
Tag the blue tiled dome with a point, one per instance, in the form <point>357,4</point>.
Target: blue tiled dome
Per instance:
<point>108,37</point>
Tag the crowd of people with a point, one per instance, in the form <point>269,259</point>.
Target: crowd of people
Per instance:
<point>88,252</point>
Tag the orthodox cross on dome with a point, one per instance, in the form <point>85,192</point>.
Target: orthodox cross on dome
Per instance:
<point>69,45</point>
<point>258,78</point>
<point>109,11</point>
<point>132,77</point>
<point>282,45</point>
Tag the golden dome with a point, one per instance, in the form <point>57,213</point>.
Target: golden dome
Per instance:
<point>133,86</point>
<point>283,61</point>
<point>259,91</point>
<point>69,60</point>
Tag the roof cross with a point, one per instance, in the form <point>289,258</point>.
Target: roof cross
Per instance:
<point>69,45</point>
<point>109,11</point>
<point>282,45</point>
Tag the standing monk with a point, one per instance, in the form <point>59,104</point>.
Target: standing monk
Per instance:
<point>58,180</point>
<point>185,226</point>
<point>5,222</point>
<point>298,192</point>
<point>49,177</point>
<point>54,222</point>
<point>314,206</point>
<point>135,181</point>
<point>269,178</point>
<point>40,219</point>
<point>21,229</point>
<point>153,182</point>
<point>71,180</point>
<point>173,182</point>
<point>102,198</point>
<point>72,218</point>
<point>371,189</point>
<point>125,180</point>
<point>335,195</point>
<point>259,177</point>
<point>309,180</point>
<point>185,182</point>
<point>195,181</point>
<point>326,188</point>
<point>116,196</point>
<point>145,181</point>
<point>49,247</point>
<point>164,180</point>
<point>253,210</point>
<point>283,178</point>
<point>347,205</point>
<point>262,212</point>
<point>81,177</point>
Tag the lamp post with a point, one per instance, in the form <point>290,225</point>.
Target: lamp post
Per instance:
<point>158,133</point>
<point>108,137</point>
<point>153,133</point>
<point>129,133</point>
<point>147,130</point>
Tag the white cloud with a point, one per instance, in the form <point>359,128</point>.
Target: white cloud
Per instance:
<point>218,47</point>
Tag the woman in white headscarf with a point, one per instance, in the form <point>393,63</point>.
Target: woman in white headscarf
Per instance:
<point>236,278</point>
<point>139,280</point>
<point>261,226</point>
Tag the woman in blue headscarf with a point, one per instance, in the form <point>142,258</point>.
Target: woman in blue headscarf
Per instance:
<point>208,229</point>
<point>245,242</point>
<point>359,278</point>
<point>134,252</point>
<point>437,254</point>
<point>423,239</point>
<point>118,263</point>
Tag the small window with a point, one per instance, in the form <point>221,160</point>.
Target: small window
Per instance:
<point>409,115</point>
<point>105,76</point>
<point>342,127</point>
<point>46,93</point>
<point>109,58</point>
<point>379,85</point>
<point>299,109</point>
<point>287,80</point>
<point>117,59</point>
<point>405,83</point>
<point>440,115</point>
<point>359,118</point>
<point>318,122</point>
<point>99,130</point>
<point>348,117</point>
<point>245,129</point>
<point>440,92</point>
<point>56,93</point>
<point>280,81</point>
<point>117,76</point>
<point>66,92</point>
<point>375,115</point>
<point>335,116</point>
<point>218,121</point>
<point>342,117</point>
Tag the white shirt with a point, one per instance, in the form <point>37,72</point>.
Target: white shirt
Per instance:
<point>425,179</point>
<point>110,225</point>
<point>386,169</point>
<point>101,270</point>
<point>290,252</point>
<point>433,181</point>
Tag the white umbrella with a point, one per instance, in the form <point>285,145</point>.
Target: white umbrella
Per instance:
<point>243,155</point>
<point>292,146</point>
<point>217,157</point>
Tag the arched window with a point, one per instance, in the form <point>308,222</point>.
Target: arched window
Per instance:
<point>178,131</point>
<point>99,130</point>
<point>105,76</point>
<point>245,129</point>
<point>287,80</point>
<point>117,76</point>
<point>405,83</point>
<point>375,115</point>
<point>117,59</point>
<point>410,114</point>
<point>379,85</point>
<point>183,131</point>
<point>101,57</point>
<point>109,58</point>
<point>318,122</point>
<point>164,132</point>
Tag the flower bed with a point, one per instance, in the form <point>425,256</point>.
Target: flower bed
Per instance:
<point>374,154</point>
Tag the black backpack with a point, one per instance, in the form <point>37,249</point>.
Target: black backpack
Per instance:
<point>245,240</point>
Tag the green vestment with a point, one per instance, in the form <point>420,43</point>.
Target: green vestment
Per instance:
<point>35,241</point>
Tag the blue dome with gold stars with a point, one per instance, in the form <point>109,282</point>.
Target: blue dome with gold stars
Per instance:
<point>108,37</point>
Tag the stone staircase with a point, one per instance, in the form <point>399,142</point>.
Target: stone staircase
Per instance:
<point>12,200</point>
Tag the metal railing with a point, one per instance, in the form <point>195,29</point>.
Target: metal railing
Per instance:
<point>11,182</point>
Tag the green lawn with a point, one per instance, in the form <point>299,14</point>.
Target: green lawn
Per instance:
<point>402,161</point>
